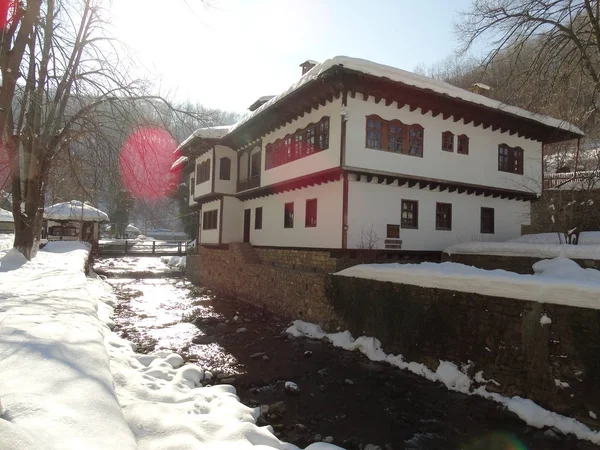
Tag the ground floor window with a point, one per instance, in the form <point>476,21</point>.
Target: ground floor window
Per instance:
<point>258,218</point>
<point>311,213</point>
<point>487,220</point>
<point>288,215</point>
<point>410,214</point>
<point>209,220</point>
<point>443,216</point>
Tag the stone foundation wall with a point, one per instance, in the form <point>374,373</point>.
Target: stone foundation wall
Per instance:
<point>503,338</point>
<point>289,292</point>
<point>307,260</point>
<point>518,264</point>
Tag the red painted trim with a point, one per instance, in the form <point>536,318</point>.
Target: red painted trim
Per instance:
<point>345,211</point>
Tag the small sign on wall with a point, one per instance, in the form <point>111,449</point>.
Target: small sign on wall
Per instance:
<point>393,243</point>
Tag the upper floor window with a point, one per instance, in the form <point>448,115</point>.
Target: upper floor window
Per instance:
<point>462,144</point>
<point>510,159</point>
<point>304,142</point>
<point>394,136</point>
<point>192,185</point>
<point>443,216</point>
<point>255,165</point>
<point>447,141</point>
<point>225,169</point>
<point>203,172</point>
<point>288,215</point>
<point>410,214</point>
<point>487,220</point>
<point>311,213</point>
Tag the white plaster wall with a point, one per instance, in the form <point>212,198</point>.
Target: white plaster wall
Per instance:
<point>210,236</point>
<point>233,222</point>
<point>327,233</point>
<point>204,188</point>
<point>225,186</point>
<point>317,161</point>
<point>480,166</point>
<point>376,205</point>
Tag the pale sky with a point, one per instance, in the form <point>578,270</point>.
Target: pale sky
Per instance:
<point>230,53</point>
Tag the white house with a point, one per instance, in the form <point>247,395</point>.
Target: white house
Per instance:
<point>361,155</point>
<point>73,221</point>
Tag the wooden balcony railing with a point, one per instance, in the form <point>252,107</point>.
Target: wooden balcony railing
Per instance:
<point>249,183</point>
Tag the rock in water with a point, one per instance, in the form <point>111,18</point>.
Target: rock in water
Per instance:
<point>291,387</point>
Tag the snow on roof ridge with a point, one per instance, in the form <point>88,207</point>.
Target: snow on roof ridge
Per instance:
<point>214,132</point>
<point>75,210</point>
<point>412,79</point>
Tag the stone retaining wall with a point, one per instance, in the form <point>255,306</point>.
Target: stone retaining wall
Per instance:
<point>501,337</point>
<point>518,264</point>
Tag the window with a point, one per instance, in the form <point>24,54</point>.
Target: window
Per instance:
<point>462,146</point>
<point>487,220</point>
<point>510,159</point>
<point>393,231</point>
<point>203,172</point>
<point>192,185</point>
<point>447,141</point>
<point>443,216</point>
<point>394,136</point>
<point>288,215</point>
<point>255,165</point>
<point>209,220</point>
<point>258,218</point>
<point>311,213</point>
<point>54,231</point>
<point>415,140</point>
<point>225,169</point>
<point>304,142</point>
<point>410,214</point>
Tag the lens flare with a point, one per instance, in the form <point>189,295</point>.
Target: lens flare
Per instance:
<point>495,441</point>
<point>145,162</point>
<point>8,8</point>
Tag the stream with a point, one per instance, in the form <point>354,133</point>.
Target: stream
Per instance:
<point>344,398</point>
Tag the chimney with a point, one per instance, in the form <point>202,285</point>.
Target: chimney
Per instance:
<point>480,88</point>
<point>307,65</point>
<point>261,101</point>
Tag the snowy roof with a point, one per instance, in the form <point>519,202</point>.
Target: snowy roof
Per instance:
<point>310,61</point>
<point>411,79</point>
<point>179,161</point>
<point>132,227</point>
<point>6,216</point>
<point>75,210</point>
<point>216,132</point>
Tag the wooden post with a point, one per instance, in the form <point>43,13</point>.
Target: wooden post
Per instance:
<point>153,246</point>
<point>179,248</point>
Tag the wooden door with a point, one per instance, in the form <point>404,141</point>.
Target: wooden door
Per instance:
<point>247,225</point>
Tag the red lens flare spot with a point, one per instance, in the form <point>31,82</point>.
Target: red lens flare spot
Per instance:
<point>145,161</point>
<point>8,10</point>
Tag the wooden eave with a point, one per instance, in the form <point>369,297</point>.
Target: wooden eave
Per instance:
<point>330,84</point>
<point>314,179</point>
<point>426,100</point>
<point>295,105</point>
<point>199,146</point>
<point>443,185</point>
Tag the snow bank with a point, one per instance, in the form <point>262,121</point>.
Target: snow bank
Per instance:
<point>67,382</point>
<point>6,241</point>
<point>450,375</point>
<point>75,210</point>
<point>545,245</point>
<point>6,216</point>
<point>560,281</point>
<point>174,261</point>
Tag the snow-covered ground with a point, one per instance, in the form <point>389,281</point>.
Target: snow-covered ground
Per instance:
<point>454,379</point>
<point>559,280</point>
<point>174,261</point>
<point>6,241</point>
<point>544,245</point>
<point>68,382</point>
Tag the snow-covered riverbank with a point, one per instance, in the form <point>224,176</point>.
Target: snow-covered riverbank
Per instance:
<point>68,382</point>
